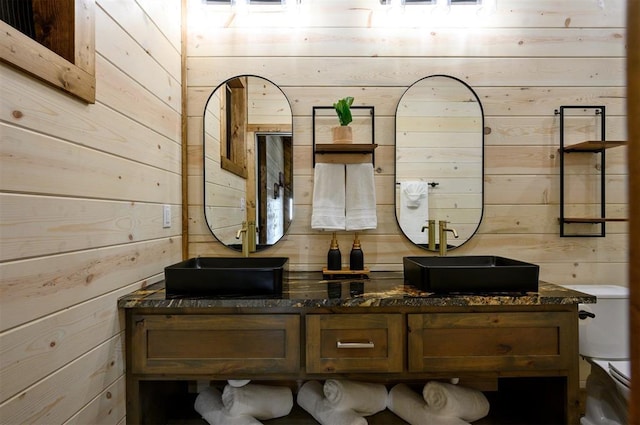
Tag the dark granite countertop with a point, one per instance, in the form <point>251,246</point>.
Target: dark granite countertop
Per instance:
<point>383,289</point>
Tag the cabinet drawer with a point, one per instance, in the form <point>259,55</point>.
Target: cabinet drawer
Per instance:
<point>487,342</point>
<point>354,343</point>
<point>216,344</point>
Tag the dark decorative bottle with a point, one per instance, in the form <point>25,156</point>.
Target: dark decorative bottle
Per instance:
<point>334,258</point>
<point>356,259</point>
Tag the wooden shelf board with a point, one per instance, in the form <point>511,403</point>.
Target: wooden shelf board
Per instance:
<point>345,273</point>
<point>346,147</point>
<point>594,145</point>
<point>593,220</point>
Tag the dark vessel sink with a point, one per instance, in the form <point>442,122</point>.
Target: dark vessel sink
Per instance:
<point>226,277</point>
<point>470,274</point>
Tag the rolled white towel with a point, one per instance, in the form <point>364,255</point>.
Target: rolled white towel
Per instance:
<point>455,400</point>
<point>311,399</point>
<point>362,397</point>
<point>260,401</point>
<point>408,405</point>
<point>209,404</point>
<point>238,382</point>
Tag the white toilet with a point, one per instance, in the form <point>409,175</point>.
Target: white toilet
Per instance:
<point>604,343</point>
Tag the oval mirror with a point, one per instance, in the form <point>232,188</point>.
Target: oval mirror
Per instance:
<point>439,161</point>
<point>248,162</point>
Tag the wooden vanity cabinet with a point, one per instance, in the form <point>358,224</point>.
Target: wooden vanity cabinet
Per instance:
<point>170,348</point>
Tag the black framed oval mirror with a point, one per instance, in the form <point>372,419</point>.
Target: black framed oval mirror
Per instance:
<point>248,161</point>
<point>439,158</point>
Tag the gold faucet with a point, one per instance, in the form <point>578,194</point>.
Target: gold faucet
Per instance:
<point>251,236</point>
<point>245,238</point>
<point>431,227</point>
<point>443,236</point>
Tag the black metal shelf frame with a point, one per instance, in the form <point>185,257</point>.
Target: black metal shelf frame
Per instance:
<point>346,150</point>
<point>599,111</point>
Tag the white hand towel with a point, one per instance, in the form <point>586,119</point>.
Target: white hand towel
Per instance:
<point>361,197</point>
<point>454,400</point>
<point>260,401</point>
<point>414,192</point>
<point>238,382</point>
<point>408,405</point>
<point>209,405</point>
<point>311,399</point>
<point>363,397</point>
<point>328,197</point>
<point>414,210</point>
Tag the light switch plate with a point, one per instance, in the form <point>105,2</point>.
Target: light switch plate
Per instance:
<point>166,216</point>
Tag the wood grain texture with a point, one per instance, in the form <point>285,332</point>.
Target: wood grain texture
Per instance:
<point>534,57</point>
<point>71,72</point>
<point>633,91</point>
<point>216,344</point>
<point>45,345</point>
<point>82,189</point>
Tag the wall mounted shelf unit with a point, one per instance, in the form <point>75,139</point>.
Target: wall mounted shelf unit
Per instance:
<point>589,146</point>
<point>324,117</point>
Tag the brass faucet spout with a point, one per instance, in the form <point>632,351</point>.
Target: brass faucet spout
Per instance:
<point>245,239</point>
<point>443,236</point>
<point>431,227</point>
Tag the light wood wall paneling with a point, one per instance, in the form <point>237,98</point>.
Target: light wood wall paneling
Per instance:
<point>137,62</point>
<point>81,194</point>
<point>116,90</point>
<point>535,189</point>
<point>519,91</point>
<point>511,102</point>
<point>365,13</point>
<point>81,380</point>
<point>42,346</point>
<point>521,130</point>
<point>505,102</point>
<point>583,273</point>
<point>108,407</point>
<point>386,71</point>
<point>515,218</point>
<point>545,160</point>
<point>34,288</point>
<point>164,13</point>
<point>415,41</point>
<point>73,170</point>
<point>385,252</point>
<point>139,25</point>
<point>34,106</point>
<point>56,225</point>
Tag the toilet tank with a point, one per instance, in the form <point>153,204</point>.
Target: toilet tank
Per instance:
<point>605,336</point>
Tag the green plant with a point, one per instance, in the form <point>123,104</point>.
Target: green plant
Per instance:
<point>343,109</point>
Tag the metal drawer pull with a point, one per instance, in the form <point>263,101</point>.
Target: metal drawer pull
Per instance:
<point>368,344</point>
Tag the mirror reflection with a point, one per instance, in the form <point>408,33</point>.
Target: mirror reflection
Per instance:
<point>248,162</point>
<point>439,161</point>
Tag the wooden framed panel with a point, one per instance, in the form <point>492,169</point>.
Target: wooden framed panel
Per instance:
<point>227,345</point>
<point>71,67</point>
<point>490,342</point>
<point>338,343</point>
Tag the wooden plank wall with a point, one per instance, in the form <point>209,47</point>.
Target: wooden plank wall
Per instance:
<point>81,195</point>
<point>524,60</point>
